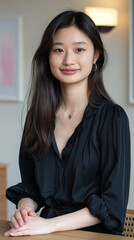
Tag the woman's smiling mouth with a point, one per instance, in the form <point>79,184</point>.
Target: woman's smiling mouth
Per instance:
<point>69,71</point>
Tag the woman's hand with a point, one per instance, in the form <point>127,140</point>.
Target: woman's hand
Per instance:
<point>26,207</point>
<point>20,217</point>
<point>35,225</point>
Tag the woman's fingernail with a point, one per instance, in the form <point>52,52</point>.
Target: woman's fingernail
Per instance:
<point>6,234</point>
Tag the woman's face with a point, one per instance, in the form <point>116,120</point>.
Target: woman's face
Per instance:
<point>72,55</point>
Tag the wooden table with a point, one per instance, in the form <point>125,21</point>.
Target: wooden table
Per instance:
<point>3,185</point>
<point>68,235</point>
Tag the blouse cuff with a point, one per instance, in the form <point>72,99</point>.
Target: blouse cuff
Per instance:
<point>22,190</point>
<point>98,208</point>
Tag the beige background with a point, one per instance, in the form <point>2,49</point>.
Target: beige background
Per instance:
<point>36,15</point>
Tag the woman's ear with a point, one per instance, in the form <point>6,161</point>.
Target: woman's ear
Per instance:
<point>96,56</point>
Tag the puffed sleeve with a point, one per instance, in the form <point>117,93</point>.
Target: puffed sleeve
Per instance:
<point>27,188</point>
<point>110,206</point>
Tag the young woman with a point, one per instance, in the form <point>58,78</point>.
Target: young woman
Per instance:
<point>75,151</point>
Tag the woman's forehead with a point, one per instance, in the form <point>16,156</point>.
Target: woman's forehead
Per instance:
<point>71,34</point>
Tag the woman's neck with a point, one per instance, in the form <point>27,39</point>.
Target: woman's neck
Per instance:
<point>73,96</point>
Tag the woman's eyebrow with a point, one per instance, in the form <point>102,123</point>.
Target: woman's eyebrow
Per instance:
<point>74,43</point>
<point>82,42</point>
<point>58,43</point>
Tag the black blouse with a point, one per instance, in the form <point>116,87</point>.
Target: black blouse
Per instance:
<point>93,171</point>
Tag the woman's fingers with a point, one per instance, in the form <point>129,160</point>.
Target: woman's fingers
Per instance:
<point>21,217</point>
<point>7,234</point>
<point>31,214</point>
<point>14,222</point>
<point>24,212</point>
<point>15,232</point>
<point>18,219</point>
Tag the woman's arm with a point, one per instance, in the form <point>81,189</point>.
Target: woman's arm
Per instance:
<point>110,205</point>
<point>38,225</point>
<point>76,220</point>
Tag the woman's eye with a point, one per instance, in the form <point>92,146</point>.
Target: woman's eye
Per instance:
<point>79,50</point>
<point>59,50</point>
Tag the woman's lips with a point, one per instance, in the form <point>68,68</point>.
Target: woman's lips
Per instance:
<point>69,71</point>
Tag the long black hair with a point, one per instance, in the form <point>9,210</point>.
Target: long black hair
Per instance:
<point>44,95</point>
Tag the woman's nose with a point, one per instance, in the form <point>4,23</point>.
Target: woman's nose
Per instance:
<point>69,59</point>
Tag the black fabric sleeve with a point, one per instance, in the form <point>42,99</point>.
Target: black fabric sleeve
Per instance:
<point>110,206</point>
<point>27,188</point>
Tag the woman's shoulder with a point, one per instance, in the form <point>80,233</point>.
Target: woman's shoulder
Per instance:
<point>113,108</point>
<point>112,113</point>
<point>112,117</point>
<point>107,112</point>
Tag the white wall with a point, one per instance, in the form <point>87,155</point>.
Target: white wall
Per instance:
<point>36,15</point>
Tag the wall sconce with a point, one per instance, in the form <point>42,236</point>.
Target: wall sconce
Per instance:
<point>105,18</point>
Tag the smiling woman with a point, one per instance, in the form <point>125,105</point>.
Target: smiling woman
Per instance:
<point>75,151</point>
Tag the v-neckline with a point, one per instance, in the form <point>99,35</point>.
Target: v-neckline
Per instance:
<point>78,130</point>
<point>56,147</point>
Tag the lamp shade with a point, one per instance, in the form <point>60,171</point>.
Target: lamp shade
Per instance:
<point>103,17</point>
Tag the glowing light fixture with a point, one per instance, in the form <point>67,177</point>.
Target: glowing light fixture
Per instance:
<point>105,18</point>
